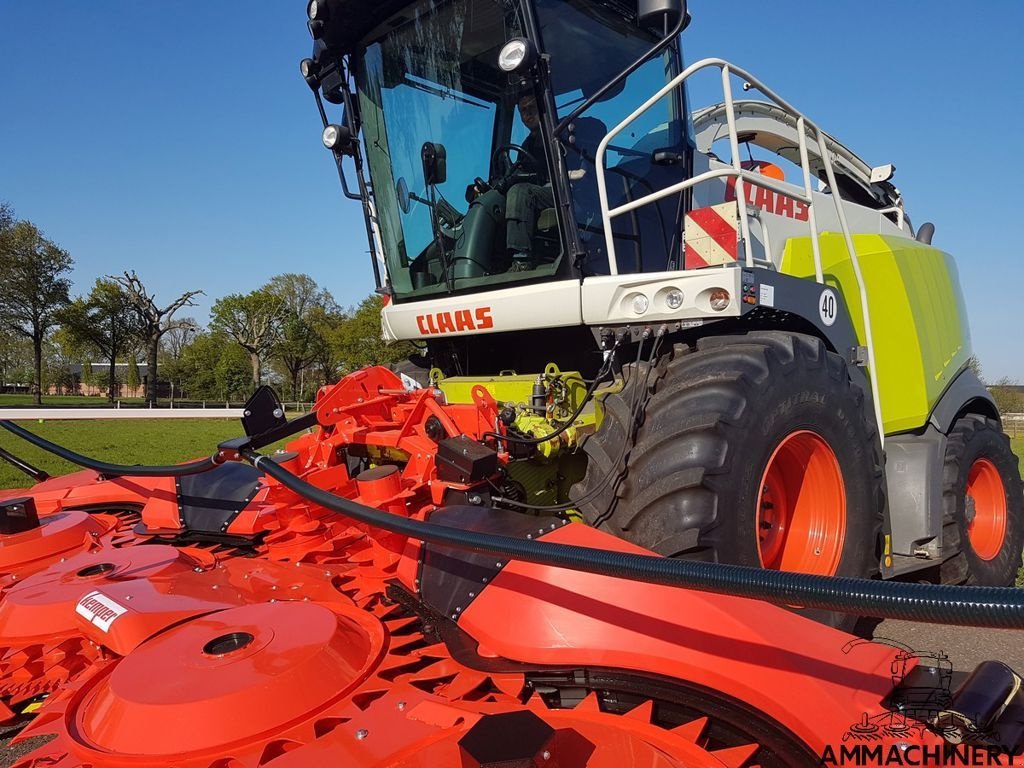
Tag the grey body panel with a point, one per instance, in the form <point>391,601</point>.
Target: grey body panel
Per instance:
<point>966,389</point>
<point>913,473</point>
<point>795,296</point>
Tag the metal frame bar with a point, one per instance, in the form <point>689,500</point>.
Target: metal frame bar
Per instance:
<point>744,177</point>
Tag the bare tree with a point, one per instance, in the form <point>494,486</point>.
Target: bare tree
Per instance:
<point>156,321</point>
<point>179,337</point>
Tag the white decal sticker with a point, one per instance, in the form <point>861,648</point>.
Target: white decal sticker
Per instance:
<point>99,609</point>
<point>828,307</point>
<point>767,295</point>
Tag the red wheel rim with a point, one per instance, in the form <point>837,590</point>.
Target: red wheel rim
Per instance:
<point>987,529</point>
<point>801,508</point>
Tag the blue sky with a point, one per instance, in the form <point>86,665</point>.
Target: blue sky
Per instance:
<point>177,138</point>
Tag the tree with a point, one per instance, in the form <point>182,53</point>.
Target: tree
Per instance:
<point>106,322</point>
<point>212,368</point>
<point>133,381</point>
<point>299,294</point>
<point>172,350</point>
<point>253,321</point>
<point>179,337</point>
<point>35,288</point>
<point>15,358</point>
<point>156,322</point>
<point>326,357</point>
<point>61,351</point>
<point>975,365</point>
<point>1009,396</point>
<point>87,374</point>
<point>358,342</point>
<point>301,298</point>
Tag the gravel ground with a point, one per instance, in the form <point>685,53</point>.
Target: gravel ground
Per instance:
<point>10,755</point>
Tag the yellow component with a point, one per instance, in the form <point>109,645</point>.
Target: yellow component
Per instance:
<point>538,427</point>
<point>33,707</point>
<point>512,388</point>
<point>918,318</point>
<point>888,545</point>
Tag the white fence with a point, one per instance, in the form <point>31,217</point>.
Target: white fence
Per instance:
<point>79,414</point>
<point>1013,424</point>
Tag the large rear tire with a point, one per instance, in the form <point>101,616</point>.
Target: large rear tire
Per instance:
<point>753,450</point>
<point>983,505</point>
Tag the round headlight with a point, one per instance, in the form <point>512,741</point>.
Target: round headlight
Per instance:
<point>332,136</point>
<point>517,55</point>
<point>641,304</point>
<point>674,299</point>
<point>308,68</point>
<point>316,10</point>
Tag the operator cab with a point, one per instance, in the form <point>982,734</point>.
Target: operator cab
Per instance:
<point>481,174</point>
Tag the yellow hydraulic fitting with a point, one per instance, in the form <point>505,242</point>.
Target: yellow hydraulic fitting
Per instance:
<point>538,427</point>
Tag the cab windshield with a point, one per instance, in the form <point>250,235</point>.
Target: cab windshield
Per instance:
<point>428,82</point>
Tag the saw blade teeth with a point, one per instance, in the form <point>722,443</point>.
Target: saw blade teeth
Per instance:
<point>590,703</point>
<point>536,701</point>
<point>735,757</point>
<point>642,712</point>
<point>693,730</point>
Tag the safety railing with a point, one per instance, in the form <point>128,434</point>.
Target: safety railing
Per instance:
<point>804,128</point>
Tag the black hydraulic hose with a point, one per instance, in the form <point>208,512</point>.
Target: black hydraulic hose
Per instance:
<point>112,470</point>
<point>998,607</point>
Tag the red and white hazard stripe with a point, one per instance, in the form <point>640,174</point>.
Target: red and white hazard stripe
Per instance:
<point>712,236</point>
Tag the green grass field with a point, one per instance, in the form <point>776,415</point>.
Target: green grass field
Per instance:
<point>142,441</point>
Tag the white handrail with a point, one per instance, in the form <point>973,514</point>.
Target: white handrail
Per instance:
<point>743,177</point>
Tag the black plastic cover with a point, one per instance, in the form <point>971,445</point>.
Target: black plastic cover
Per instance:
<point>463,460</point>
<point>506,740</point>
<point>18,515</point>
<point>209,502</point>
<point>450,578</point>
<point>263,412</point>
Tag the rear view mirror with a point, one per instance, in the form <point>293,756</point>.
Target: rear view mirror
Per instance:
<point>402,192</point>
<point>435,163</point>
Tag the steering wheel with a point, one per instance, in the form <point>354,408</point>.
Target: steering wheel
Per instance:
<point>504,151</point>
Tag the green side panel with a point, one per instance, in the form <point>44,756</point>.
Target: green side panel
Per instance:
<point>918,317</point>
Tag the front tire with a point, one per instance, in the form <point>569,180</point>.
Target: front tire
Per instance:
<point>753,450</point>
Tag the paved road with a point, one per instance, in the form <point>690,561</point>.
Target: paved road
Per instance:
<point>965,646</point>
